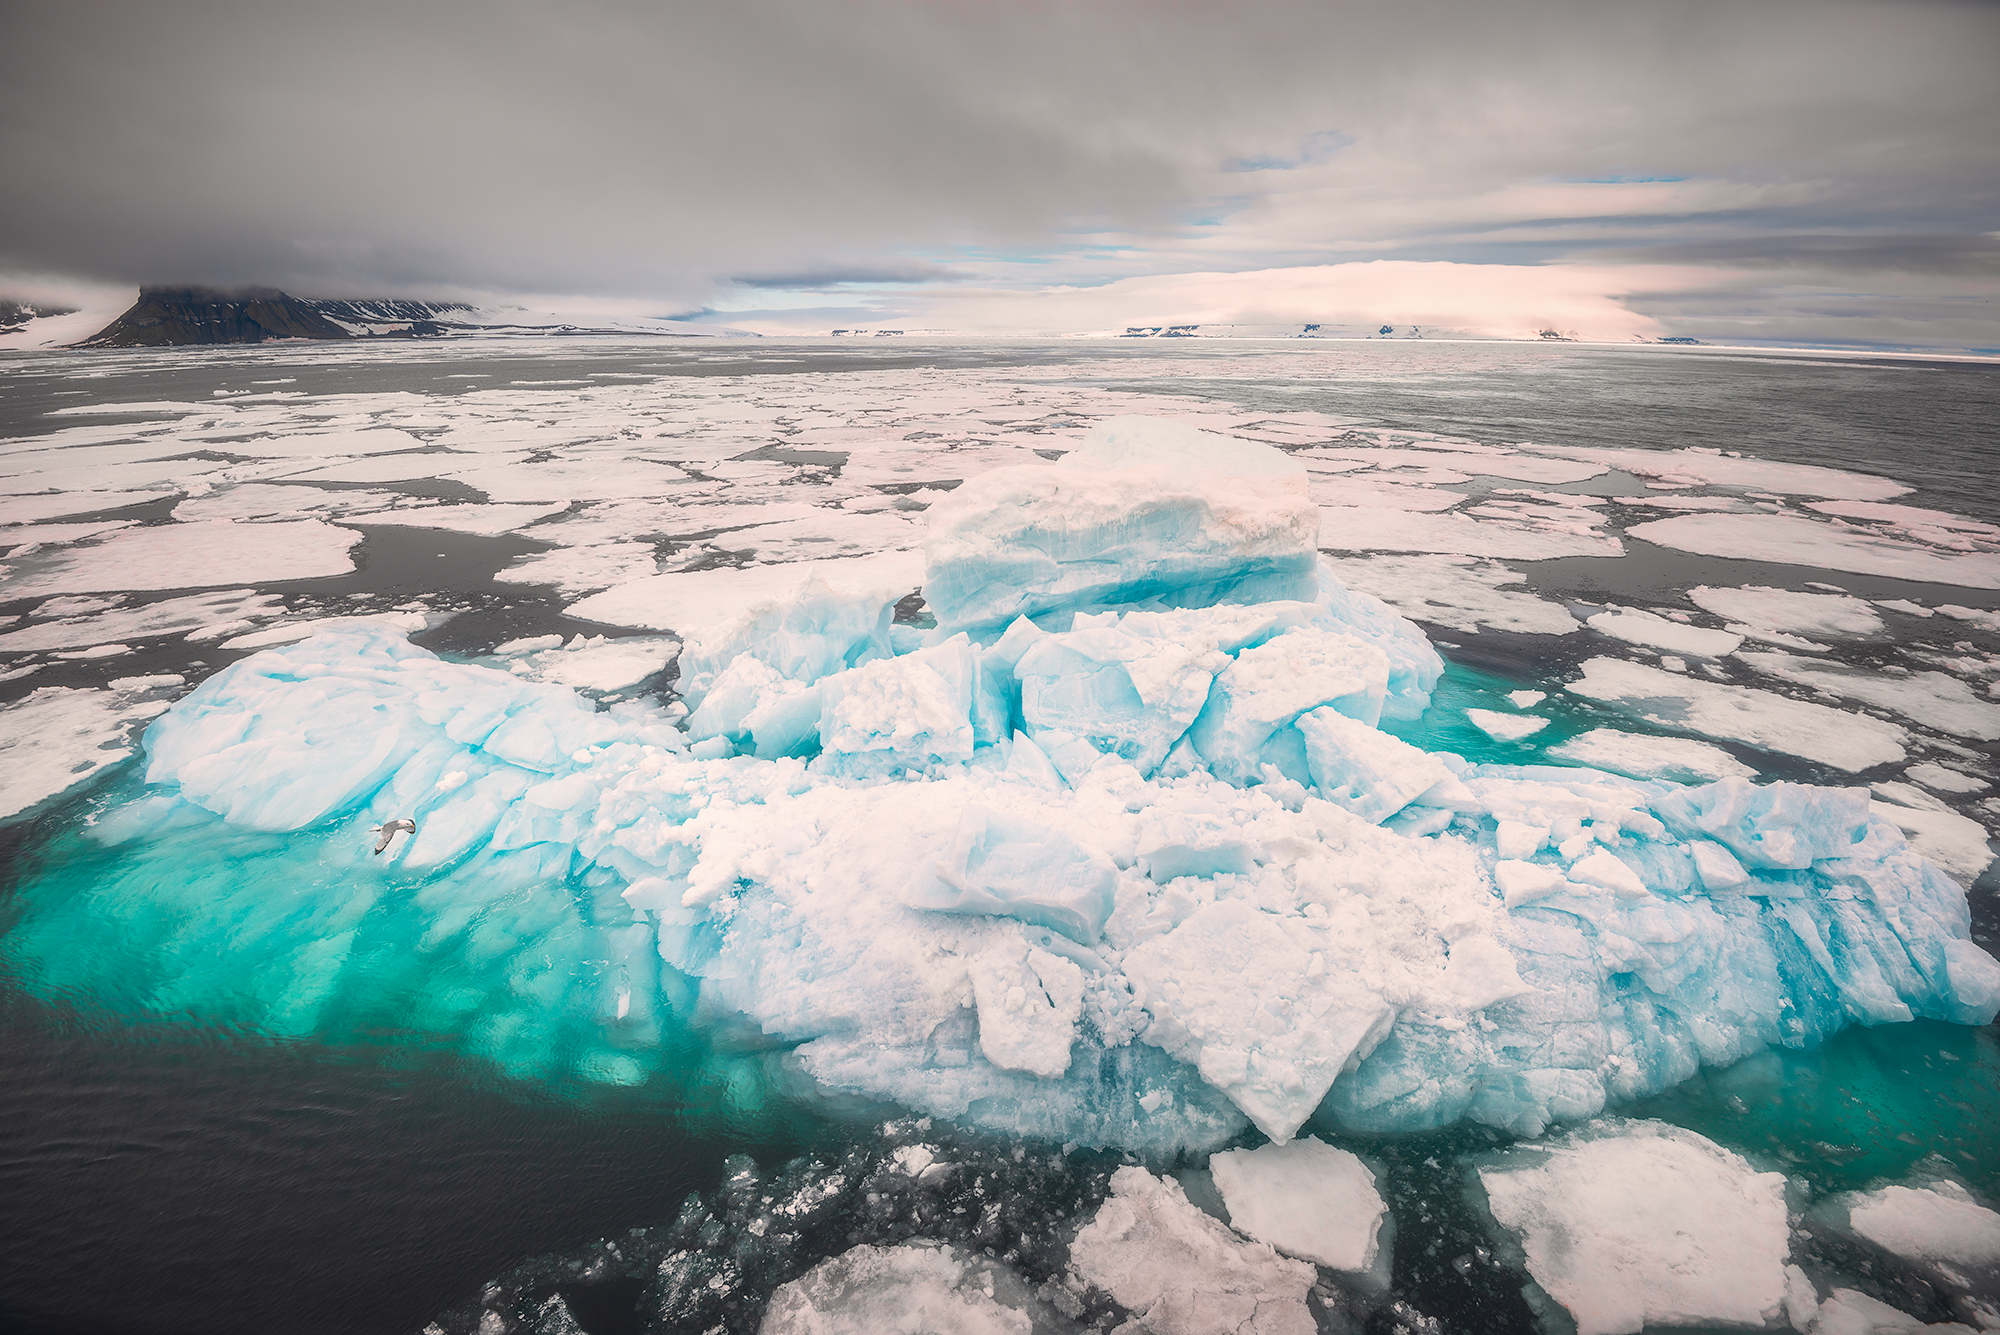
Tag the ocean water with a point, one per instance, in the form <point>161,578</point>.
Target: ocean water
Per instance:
<point>206,1129</point>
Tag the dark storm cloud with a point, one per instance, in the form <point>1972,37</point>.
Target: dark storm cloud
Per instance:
<point>653,150</point>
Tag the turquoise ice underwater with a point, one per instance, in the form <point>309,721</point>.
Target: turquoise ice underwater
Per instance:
<point>1137,846</point>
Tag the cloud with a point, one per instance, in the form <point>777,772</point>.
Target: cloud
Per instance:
<point>682,154</point>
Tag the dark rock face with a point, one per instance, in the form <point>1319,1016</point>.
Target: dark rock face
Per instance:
<point>166,316</point>
<point>176,316</point>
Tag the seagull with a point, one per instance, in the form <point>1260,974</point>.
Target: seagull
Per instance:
<point>390,831</point>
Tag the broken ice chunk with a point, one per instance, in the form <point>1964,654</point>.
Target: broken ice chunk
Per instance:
<point>1184,1273</point>
<point>1716,867</point>
<point>1235,995</point>
<point>1130,693</point>
<point>1506,727</point>
<point>1605,870</point>
<point>899,715</point>
<point>1525,882</point>
<point>1788,825</point>
<point>1029,1001</point>
<point>1645,1224</point>
<point>1369,772</point>
<point>916,1286</point>
<point>1307,1199</point>
<point>1268,687</point>
<point>1194,842</point>
<point>1012,867</point>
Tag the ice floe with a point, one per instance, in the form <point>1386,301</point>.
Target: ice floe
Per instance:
<point>1648,628</point>
<point>1934,699</point>
<point>1681,759</point>
<point>185,556</point>
<point>1786,611</point>
<point>1852,742</point>
<point>1794,540</point>
<point>60,737</point>
<point>1457,592</point>
<point>1644,1224</point>
<point>1183,1273</point>
<point>1307,1199</point>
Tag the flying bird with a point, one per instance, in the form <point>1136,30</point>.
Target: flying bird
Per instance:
<point>390,830</point>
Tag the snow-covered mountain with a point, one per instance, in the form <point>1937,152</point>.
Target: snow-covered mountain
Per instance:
<point>177,316</point>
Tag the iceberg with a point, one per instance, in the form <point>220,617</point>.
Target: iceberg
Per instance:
<point>1143,509</point>
<point>1117,874</point>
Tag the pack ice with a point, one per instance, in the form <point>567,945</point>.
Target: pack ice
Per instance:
<point>1116,854</point>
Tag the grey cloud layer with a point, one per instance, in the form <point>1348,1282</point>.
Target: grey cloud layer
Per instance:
<point>658,150</point>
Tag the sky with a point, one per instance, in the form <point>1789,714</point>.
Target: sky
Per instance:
<point>1823,172</point>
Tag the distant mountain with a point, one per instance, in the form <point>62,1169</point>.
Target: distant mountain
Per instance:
<point>15,316</point>
<point>178,316</point>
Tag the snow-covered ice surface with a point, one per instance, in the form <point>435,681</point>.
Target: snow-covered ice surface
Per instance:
<point>956,738</point>
<point>1642,1224</point>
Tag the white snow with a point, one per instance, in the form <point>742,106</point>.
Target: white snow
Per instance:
<point>1506,727</point>
<point>1183,1273</point>
<point>186,556</point>
<point>1636,626</point>
<point>1786,611</point>
<point>1307,1199</point>
<point>1794,540</point>
<point>1646,1224</point>
<point>1844,740</point>
<point>1678,758</point>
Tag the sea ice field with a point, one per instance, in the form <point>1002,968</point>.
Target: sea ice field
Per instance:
<point>653,836</point>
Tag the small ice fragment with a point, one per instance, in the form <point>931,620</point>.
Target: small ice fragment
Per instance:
<point>914,1286</point>
<point>1527,699</point>
<point>1648,628</point>
<point>1506,727</point>
<point>1607,871</point>
<point>1307,1199</point>
<point>1525,882</point>
<point>1369,772</point>
<point>1514,839</point>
